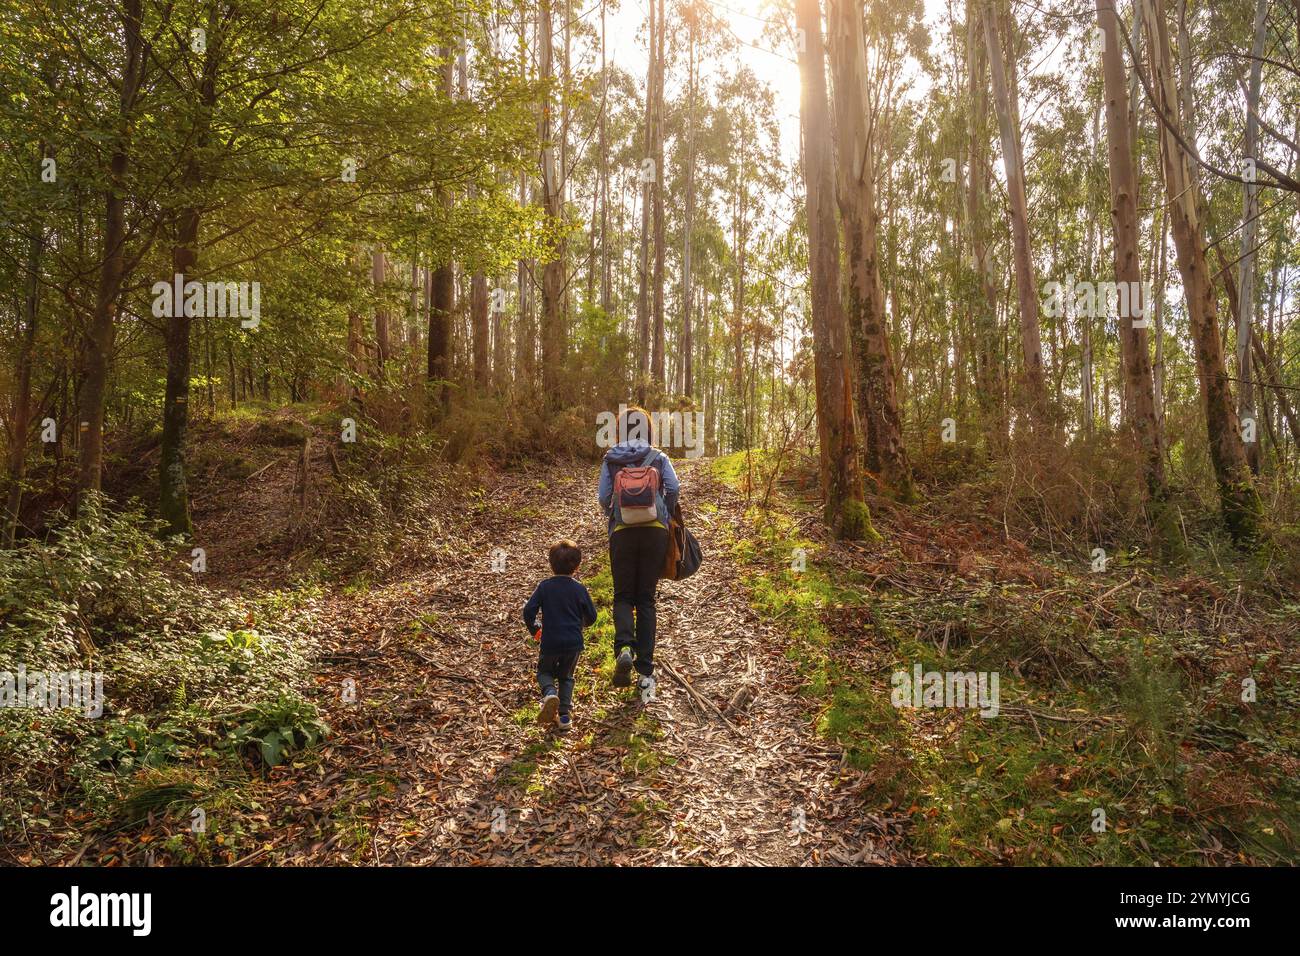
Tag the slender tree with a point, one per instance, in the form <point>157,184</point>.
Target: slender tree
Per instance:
<point>442,292</point>
<point>1033,385</point>
<point>657,198</point>
<point>1134,347</point>
<point>984,304</point>
<point>97,350</point>
<point>552,190</point>
<point>688,376</point>
<point>845,510</point>
<point>1249,238</point>
<point>1237,495</point>
<point>865,294</point>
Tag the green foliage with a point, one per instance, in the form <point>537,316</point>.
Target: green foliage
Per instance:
<point>1152,697</point>
<point>132,743</point>
<point>1090,719</point>
<point>277,729</point>
<point>187,679</point>
<point>96,579</point>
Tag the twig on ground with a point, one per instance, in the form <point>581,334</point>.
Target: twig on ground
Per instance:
<point>704,701</point>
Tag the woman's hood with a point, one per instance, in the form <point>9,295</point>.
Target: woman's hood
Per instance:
<point>628,452</point>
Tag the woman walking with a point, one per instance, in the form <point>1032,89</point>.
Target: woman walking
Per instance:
<point>638,491</point>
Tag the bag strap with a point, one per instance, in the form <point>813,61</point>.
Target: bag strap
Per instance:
<point>651,454</point>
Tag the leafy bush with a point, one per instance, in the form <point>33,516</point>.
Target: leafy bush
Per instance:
<point>277,729</point>
<point>96,579</point>
<point>132,743</point>
<point>189,673</point>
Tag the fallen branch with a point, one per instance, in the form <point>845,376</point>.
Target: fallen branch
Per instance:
<point>703,701</point>
<point>1059,718</point>
<point>582,786</point>
<point>260,470</point>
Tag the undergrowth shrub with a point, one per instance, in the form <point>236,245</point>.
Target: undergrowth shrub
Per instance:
<point>94,580</point>
<point>1087,490</point>
<point>387,500</point>
<point>182,664</point>
<point>1153,699</point>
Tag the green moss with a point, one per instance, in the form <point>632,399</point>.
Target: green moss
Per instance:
<point>1016,787</point>
<point>1242,512</point>
<point>856,522</point>
<point>1166,535</point>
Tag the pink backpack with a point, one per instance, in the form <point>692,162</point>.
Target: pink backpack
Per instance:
<point>636,492</point>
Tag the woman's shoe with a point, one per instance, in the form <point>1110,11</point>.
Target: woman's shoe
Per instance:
<point>623,668</point>
<point>646,685</point>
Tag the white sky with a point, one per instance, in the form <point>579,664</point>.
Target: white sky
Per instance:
<point>626,48</point>
<point>746,21</point>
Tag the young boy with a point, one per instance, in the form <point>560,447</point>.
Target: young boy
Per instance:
<point>566,609</point>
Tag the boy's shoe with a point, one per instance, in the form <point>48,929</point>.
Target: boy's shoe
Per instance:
<point>565,724</point>
<point>646,685</point>
<point>550,707</point>
<point>623,668</point>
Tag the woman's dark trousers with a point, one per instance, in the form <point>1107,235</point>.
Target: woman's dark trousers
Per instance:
<point>636,556</point>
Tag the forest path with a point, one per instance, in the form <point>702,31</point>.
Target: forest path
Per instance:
<point>439,759</point>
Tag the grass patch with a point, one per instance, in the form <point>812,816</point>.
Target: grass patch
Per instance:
<point>1145,728</point>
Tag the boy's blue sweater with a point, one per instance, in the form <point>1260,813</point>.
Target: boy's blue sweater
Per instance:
<point>566,609</point>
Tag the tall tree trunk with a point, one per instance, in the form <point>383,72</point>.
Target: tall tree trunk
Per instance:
<point>1249,237</point>
<point>1134,348</point>
<point>708,373</point>
<point>417,302</point>
<point>740,232</point>
<point>442,299</point>
<point>657,348</point>
<point>379,275</point>
<point>525,329</point>
<point>877,391</point>
<point>22,400</point>
<point>442,309</point>
<point>173,492</point>
<point>552,270</point>
<point>478,310</point>
<point>606,274</point>
<point>357,363</point>
<point>1135,41</point>
<point>1035,391</point>
<point>841,479</point>
<point>500,346</point>
<point>984,319</point>
<point>650,174</point>
<point>1085,321</point>
<point>1186,99</point>
<point>1158,321</point>
<point>98,345</point>
<point>231,376</point>
<point>688,376</point>
<point>478,294</point>
<point>1237,495</point>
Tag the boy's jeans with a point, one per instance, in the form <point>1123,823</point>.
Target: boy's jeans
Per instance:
<point>555,671</point>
